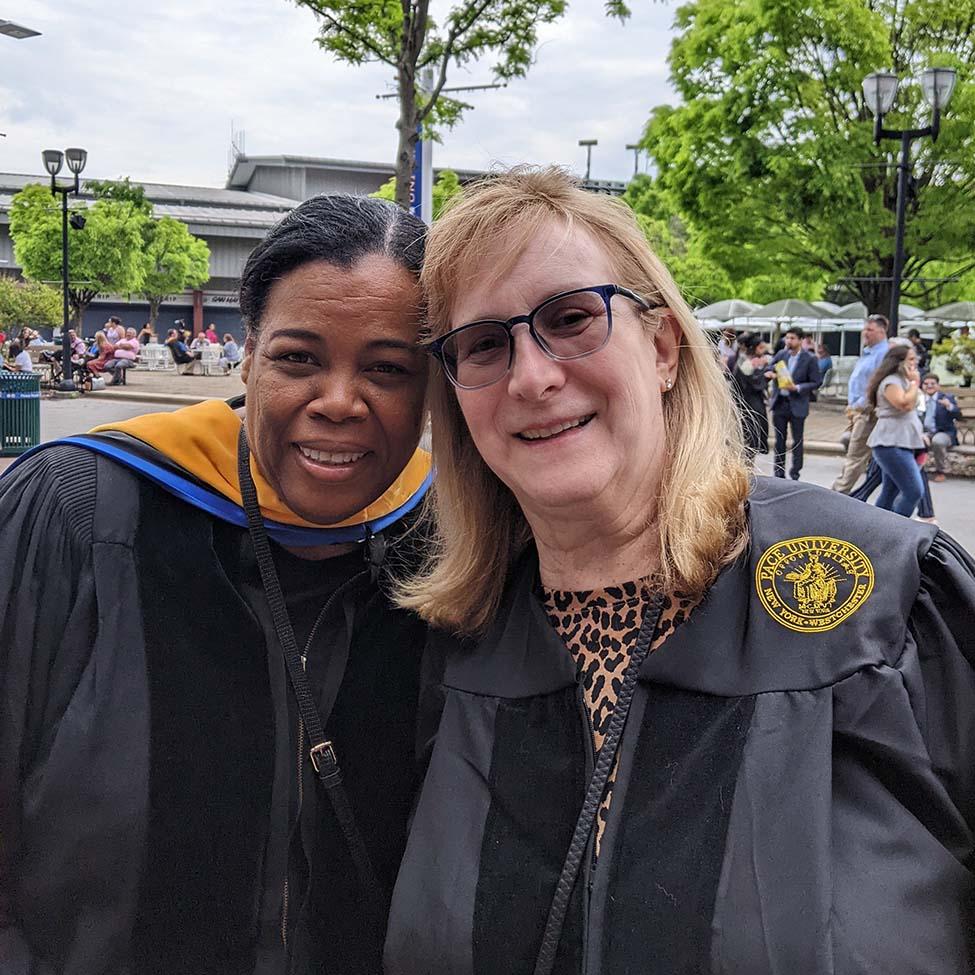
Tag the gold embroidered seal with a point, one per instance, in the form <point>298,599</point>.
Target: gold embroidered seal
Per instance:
<point>812,584</point>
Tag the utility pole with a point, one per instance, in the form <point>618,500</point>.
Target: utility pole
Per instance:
<point>635,146</point>
<point>588,143</point>
<point>421,185</point>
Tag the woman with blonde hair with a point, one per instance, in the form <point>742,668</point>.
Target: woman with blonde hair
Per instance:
<point>673,724</point>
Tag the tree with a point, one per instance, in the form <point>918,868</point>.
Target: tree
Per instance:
<point>28,303</point>
<point>174,260</point>
<point>106,256</point>
<point>121,190</point>
<point>771,160</point>
<point>404,36</point>
<point>700,279</point>
<point>445,188</point>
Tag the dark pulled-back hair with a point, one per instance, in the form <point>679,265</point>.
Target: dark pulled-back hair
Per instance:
<point>892,362</point>
<point>339,229</point>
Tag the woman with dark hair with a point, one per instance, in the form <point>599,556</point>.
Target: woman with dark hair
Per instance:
<point>748,379</point>
<point>223,786</point>
<point>892,392</point>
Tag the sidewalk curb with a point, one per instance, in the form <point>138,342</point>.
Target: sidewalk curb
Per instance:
<point>171,399</point>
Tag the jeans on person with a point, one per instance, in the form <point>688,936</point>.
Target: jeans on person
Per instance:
<point>902,487</point>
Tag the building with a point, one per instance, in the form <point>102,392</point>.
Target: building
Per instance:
<point>232,219</point>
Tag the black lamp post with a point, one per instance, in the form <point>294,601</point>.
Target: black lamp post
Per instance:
<point>879,90</point>
<point>76,159</point>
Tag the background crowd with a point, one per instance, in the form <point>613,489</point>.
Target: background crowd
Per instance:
<point>114,348</point>
<point>896,410</point>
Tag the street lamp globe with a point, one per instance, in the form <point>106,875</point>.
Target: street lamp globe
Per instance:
<point>879,90</point>
<point>938,85</point>
<point>53,159</point>
<point>76,159</point>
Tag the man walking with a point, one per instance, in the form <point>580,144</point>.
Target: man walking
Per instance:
<point>940,412</point>
<point>859,414</point>
<point>796,375</point>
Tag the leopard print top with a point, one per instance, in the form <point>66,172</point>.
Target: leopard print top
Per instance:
<point>600,628</point>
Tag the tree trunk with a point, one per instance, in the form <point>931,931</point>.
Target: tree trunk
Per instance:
<point>406,127</point>
<point>154,303</point>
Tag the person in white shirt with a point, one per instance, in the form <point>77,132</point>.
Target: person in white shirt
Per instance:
<point>20,359</point>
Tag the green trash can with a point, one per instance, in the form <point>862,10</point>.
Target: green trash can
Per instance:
<point>20,412</point>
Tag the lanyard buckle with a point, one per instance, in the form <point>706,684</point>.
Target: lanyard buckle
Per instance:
<point>324,753</point>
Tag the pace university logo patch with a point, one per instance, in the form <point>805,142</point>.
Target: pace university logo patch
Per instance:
<point>812,584</point>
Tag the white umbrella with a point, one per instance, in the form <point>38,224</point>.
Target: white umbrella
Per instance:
<point>956,311</point>
<point>790,309</point>
<point>727,309</point>
<point>910,311</point>
<point>855,310</point>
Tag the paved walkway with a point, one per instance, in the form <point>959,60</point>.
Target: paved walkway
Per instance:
<point>954,500</point>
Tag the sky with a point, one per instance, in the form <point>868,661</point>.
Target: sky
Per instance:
<point>152,91</point>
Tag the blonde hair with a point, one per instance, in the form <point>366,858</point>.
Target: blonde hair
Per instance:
<point>477,527</point>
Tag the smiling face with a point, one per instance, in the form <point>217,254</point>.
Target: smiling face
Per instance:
<point>335,385</point>
<point>930,385</point>
<point>574,437</point>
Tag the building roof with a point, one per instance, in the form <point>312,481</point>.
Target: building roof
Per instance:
<point>191,204</point>
<point>243,170</point>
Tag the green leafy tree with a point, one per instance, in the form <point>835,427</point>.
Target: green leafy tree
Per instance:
<point>28,303</point>
<point>700,279</point>
<point>106,256</point>
<point>771,160</point>
<point>445,187</point>
<point>403,35</point>
<point>174,260</point>
<point>121,190</point>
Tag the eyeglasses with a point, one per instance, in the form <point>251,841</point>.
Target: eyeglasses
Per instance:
<point>569,325</point>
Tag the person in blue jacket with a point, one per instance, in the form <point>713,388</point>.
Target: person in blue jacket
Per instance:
<point>790,398</point>
<point>940,412</point>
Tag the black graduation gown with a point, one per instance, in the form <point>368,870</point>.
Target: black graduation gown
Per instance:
<point>796,779</point>
<point>148,785</point>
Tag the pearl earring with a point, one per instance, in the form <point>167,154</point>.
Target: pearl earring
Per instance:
<point>668,384</point>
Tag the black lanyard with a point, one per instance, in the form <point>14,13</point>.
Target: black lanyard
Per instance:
<point>594,793</point>
<point>321,752</point>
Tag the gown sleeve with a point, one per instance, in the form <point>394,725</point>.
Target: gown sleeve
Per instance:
<point>942,623</point>
<point>48,614</point>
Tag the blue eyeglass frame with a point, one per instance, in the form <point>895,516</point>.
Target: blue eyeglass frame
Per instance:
<point>605,291</point>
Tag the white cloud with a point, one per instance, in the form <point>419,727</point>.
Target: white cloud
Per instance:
<point>150,90</point>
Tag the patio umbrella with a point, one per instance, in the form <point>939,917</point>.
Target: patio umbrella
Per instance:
<point>957,311</point>
<point>828,306</point>
<point>857,310</point>
<point>789,309</point>
<point>727,309</point>
<point>910,311</point>
<point>854,310</point>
